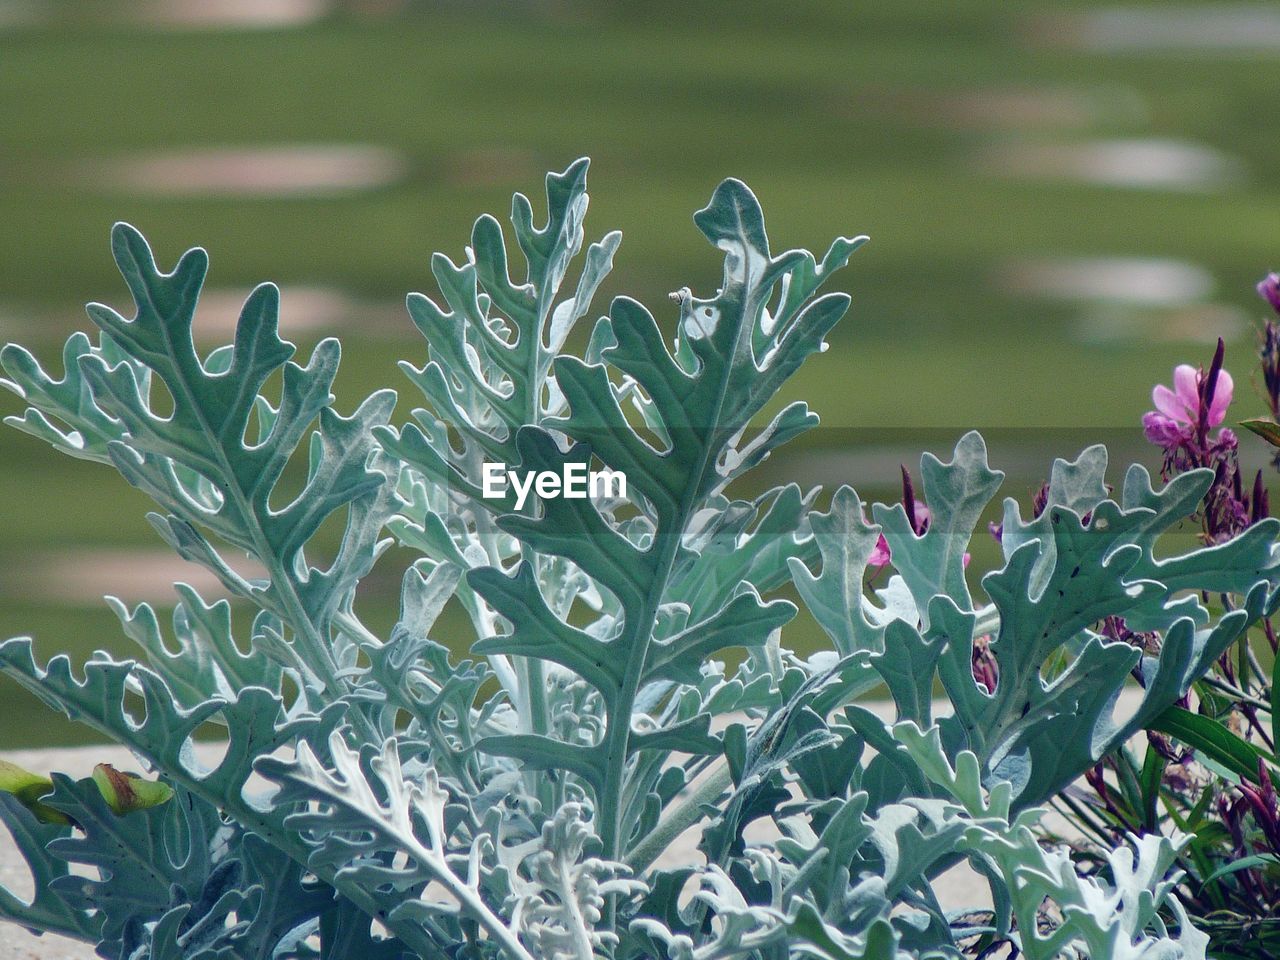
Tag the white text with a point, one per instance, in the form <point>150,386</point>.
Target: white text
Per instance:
<point>575,482</point>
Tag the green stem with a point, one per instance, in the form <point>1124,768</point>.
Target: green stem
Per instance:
<point>618,733</point>
<point>679,818</point>
<point>1233,691</point>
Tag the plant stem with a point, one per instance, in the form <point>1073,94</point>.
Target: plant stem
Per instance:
<point>684,814</point>
<point>1235,692</point>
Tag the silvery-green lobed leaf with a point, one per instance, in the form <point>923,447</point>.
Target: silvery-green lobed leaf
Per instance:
<point>731,356</point>
<point>1050,715</point>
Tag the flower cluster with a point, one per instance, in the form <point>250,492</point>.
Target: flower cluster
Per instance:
<point>1182,425</point>
<point>1185,414</point>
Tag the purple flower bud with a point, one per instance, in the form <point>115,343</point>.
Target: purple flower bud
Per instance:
<point>1040,501</point>
<point>1269,353</point>
<point>1163,431</point>
<point>1269,290</point>
<point>1208,386</point>
<point>986,669</point>
<point>1260,505</point>
<point>917,512</point>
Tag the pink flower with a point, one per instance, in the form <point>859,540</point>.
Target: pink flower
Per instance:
<point>1164,432</point>
<point>880,554</point>
<point>1176,418</point>
<point>919,514</point>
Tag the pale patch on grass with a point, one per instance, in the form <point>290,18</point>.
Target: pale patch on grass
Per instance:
<point>1133,280</point>
<point>265,171</point>
<point>1201,323</point>
<point>21,13</point>
<point>224,14</point>
<point>1159,28</point>
<point>1150,164</point>
<point>996,109</point>
<point>84,575</point>
<point>302,310</point>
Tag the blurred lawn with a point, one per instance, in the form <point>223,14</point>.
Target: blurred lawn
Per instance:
<point>886,119</point>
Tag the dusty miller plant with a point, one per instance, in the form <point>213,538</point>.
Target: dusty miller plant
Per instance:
<point>379,798</point>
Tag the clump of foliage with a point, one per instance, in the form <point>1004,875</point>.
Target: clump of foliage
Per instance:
<point>1209,764</point>
<point>379,798</point>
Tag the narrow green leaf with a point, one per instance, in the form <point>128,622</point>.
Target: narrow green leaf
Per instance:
<point>1244,863</point>
<point>1268,430</point>
<point>1149,781</point>
<point>1275,701</point>
<point>1212,739</point>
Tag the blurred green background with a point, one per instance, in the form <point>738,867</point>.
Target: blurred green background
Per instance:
<point>1064,201</point>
